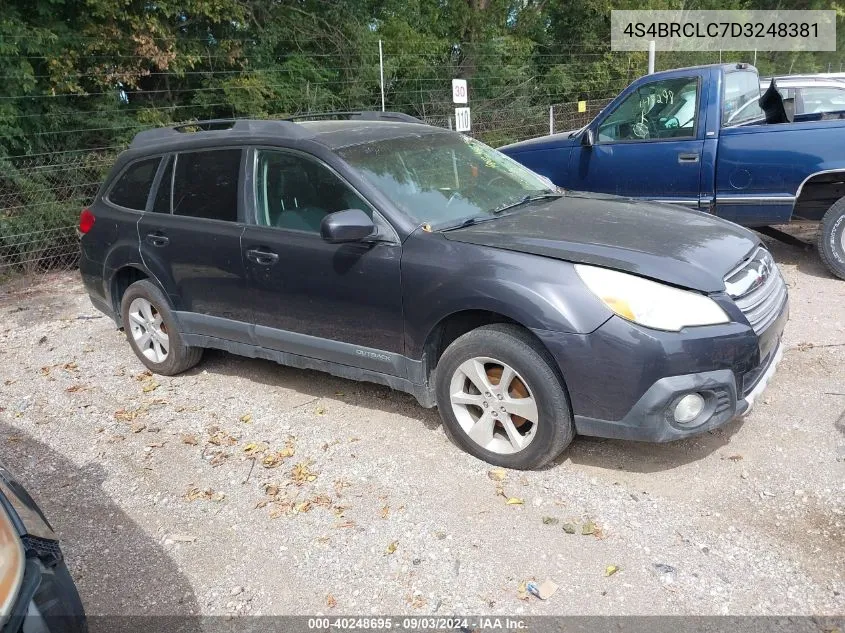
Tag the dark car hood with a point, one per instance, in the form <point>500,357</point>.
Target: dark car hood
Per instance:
<point>681,247</point>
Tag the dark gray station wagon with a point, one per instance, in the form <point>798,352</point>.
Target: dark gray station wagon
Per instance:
<point>388,251</point>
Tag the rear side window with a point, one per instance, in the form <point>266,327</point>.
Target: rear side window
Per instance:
<point>205,184</point>
<point>133,187</point>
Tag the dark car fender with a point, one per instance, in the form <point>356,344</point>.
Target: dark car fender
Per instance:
<point>442,278</point>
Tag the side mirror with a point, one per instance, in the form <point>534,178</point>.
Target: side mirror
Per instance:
<point>588,139</point>
<point>350,225</point>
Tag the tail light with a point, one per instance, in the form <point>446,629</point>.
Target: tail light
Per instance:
<point>86,221</point>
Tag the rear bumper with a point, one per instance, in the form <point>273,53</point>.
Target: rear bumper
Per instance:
<point>624,380</point>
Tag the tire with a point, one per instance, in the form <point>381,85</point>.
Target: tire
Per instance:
<point>491,347</point>
<point>831,239</point>
<point>179,357</point>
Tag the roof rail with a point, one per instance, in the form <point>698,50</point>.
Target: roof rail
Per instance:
<point>363,115</point>
<point>216,127</point>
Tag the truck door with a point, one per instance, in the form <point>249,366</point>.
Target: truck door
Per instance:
<point>649,145</point>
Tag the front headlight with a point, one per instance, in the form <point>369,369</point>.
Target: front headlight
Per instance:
<point>649,303</point>
<point>11,564</point>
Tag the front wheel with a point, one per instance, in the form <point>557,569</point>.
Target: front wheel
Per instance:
<point>501,399</point>
<point>831,239</point>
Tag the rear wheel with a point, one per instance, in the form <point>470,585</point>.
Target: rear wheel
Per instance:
<point>831,239</point>
<point>152,331</point>
<point>501,399</point>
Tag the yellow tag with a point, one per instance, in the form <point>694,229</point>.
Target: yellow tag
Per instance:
<point>582,106</point>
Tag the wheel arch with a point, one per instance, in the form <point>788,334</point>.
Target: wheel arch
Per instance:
<point>817,193</point>
<point>124,277</point>
<point>457,323</point>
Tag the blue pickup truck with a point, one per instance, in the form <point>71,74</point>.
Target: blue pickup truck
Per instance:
<point>705,138</point>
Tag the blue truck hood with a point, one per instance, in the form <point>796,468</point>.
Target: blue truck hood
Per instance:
<point>685,248</point>
<point>560,140</point>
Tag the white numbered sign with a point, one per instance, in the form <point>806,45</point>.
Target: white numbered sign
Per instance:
<point>459,90</point>
<point>462,119</point>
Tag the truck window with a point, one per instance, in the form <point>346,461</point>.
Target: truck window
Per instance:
<point>741,97</point>
<point>822,99</point>
<point>667,108</point>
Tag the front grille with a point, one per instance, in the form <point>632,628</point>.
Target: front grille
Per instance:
<point>758,289</point>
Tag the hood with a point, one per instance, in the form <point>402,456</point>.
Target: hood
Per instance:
<point>541,142</point>
<point>677,246</point>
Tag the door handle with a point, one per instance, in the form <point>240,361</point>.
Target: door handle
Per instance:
<point>157,239</point>
<point>264,258</point>
<point>687,158</point>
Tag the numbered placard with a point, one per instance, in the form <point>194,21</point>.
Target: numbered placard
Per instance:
<point>459,91</point>
<point>462,121</point>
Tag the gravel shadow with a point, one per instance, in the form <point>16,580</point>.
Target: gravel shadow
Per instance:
<point>118,568</point>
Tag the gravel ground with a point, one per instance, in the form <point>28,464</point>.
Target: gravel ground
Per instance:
<point>245,487</point>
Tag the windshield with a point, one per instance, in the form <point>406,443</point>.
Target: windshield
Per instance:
<point>742,96</point>
<point>441,179</point>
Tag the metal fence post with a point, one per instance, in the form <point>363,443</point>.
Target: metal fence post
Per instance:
<point>381,73</point>
<point>551,120</point>
<point>651,54</point>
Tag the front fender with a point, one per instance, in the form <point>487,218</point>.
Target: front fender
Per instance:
<point>442,277</point>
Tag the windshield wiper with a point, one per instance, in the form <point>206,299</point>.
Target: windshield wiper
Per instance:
<point>476,219</point>
<point>525,200</point>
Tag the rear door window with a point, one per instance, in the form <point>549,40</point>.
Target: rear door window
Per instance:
<point>161,204</point>
<point>205,184</point>
<point>132,188</point>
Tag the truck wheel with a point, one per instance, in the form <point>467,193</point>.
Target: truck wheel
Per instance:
<point>831,240</point>
<point>501,399</point>
<point>152,331</point>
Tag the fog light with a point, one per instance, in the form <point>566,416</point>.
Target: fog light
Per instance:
<point>688,408</point>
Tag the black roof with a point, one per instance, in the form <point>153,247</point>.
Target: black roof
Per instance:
<point>358,128</point>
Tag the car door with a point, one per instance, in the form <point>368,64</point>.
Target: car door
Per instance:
<point>190,240</point>
<point>648,146</point>
<point>335,302</point>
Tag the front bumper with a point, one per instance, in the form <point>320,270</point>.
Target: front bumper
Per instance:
<point>624,380</point>
<point>46,600</point>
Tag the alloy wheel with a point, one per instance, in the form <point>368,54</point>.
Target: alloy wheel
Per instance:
<point>149,330</point>
<point>494,405</point>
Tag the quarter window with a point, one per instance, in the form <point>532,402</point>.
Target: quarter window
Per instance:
<point>294,192</point>
<point>133,188</point>
<point>661,109</point>
<point>205,184</point>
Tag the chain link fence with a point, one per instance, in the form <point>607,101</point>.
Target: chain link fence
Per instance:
<point>42,195</point>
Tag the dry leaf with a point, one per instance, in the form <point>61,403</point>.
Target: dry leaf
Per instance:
<point>208,494</point>
<point>340,484</point>
<point>550,521</point>
<point>271,490</point>
<point>497,474</point>
<point>155,445</point>
<point>126,416</point>
<point>303,506</point>
<point>522,591</point>
<point>246,418</point>
<point>588,528</point>
<point>188,438</point>
<point>323,501</point>
<point>70,366</point>
<point>735,458</point>
<point>320,410</point>
<point>610,570</point>
<point>391,548</point>
<point>221,438</point>
<point>385,511</point>
<point>150,386</point>
<point>570,528</point>
<point>301,473</point>
<point>346,524</point>
<point>137,427</point>
<point>514,501</point>
<point>255,448</point>
<point>143,376</point>
<point>331,602</point>
<point>76,388</point>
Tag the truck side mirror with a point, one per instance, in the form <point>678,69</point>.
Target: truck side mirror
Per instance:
<point>587,138</point>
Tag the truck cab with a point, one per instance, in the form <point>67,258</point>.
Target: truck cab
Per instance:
<point>698,137</point>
